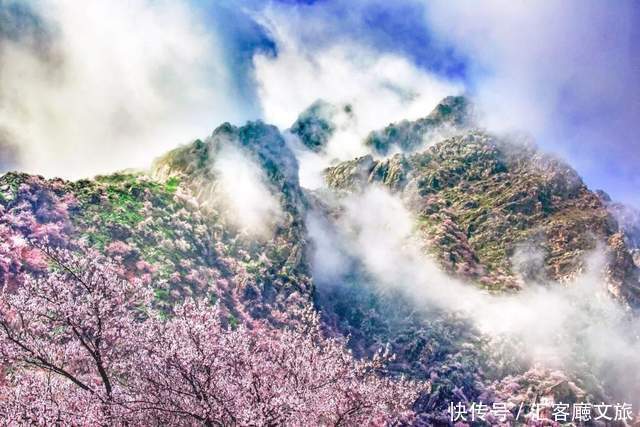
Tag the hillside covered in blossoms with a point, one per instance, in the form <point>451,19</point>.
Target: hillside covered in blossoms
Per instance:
<point>254,278</point>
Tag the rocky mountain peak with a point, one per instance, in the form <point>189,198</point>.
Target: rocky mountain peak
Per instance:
<point>315,125</point>
<point>452,114</point>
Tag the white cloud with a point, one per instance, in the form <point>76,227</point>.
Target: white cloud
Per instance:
<point>329,262</point>
<point>381,87</point>
<point>122,82</point>
<point>247,201</point>
<point>525,54</point>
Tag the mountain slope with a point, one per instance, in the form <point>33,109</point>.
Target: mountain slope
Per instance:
<point>225,218</point>
<point>480,200</point>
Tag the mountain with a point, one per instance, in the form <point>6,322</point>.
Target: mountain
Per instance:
<point>477,199</point>
<point>316,125</point>
<point>495,214</point>
<point>451,114</point>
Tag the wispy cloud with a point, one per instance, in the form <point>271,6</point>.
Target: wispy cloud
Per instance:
<point>246,200</point>
<point>110,85</point>
<point>380,87</point>
<point>87,87</point>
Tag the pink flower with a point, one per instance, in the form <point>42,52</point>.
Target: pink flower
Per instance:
<point>118,247</point>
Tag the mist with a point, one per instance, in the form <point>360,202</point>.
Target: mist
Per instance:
<point>556,325</point>
<point>243,195</point>
<point>93,87</point>
<point>88,88</point>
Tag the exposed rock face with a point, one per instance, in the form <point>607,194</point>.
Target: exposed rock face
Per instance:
<point>350,175</point>
<point>315,125</point>
<point>452,114</point>
<point>260,141</point>
<point>628,220</point>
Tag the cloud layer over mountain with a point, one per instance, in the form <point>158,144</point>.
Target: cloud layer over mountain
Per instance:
<point>89,87</point>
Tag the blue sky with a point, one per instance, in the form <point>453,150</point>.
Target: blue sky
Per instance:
<point>398,28</point>
<point>566,72</point>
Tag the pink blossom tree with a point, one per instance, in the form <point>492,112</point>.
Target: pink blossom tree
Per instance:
<point>260,376</point>
<point>74,324</point>
<point>81,345</point>
<point>16,254</point>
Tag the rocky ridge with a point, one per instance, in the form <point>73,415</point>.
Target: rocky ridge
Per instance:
<point>479,200</point>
